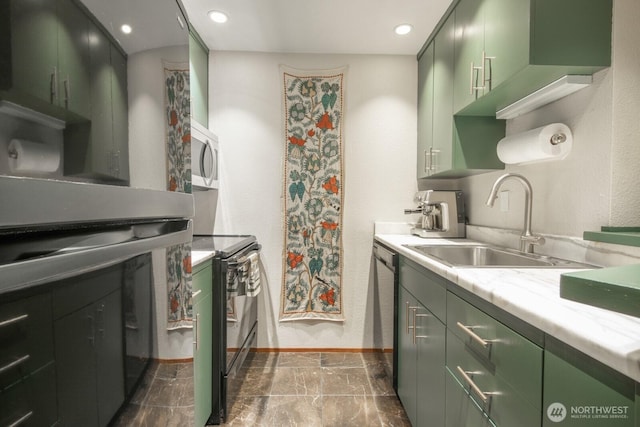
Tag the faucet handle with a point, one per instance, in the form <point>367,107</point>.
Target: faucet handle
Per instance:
<point>532,240</point>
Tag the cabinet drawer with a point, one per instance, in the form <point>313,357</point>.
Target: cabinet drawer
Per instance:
<point>33,400</point>
<point>26,337</point>
<point>512,357</point>
<point>505,404</point>
<point>429,290</point>
<point>461,410</point>
<point>73,294</point>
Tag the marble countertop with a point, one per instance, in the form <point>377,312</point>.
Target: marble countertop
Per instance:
<point>533,295</point>
<point>198,257</point>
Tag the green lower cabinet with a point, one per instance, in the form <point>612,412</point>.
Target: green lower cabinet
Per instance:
<point>421,359</point>
<point>579,393</point>
<point>203,328</point>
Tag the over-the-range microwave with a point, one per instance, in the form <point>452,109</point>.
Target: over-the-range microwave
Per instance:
<point>205,157</point>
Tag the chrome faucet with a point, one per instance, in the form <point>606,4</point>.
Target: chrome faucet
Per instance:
<point>527,239</point>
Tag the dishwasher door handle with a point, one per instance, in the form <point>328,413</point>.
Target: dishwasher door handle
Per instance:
<point>385,256</point>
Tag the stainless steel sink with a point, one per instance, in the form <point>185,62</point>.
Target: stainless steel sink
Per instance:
<point>490,256</point>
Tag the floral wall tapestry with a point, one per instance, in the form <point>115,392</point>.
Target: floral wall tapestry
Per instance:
<point>178,142</point>
<point>313,194</point>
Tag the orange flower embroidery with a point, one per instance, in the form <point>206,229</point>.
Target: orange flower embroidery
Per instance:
<point>328,297</point>
<point>173,118</point>
<point>296,141</point>
<point>325,122</point>
<point>294,259</point>
<point>311,132</point>
<point>175,304</point>
<point>328,225</point>
<point>186,138</point>
<point>331,185</point>
<point>186,265</point>
<point>173,184</point>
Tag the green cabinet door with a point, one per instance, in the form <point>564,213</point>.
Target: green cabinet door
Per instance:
<point>73,59</point>
<point>582,393</point>
<point>74,337</point>
<point>469,43</point>
<point>202,342</point>
<point>506,39</point>
<point>425,112</point>
<point>32,54</point>
<point>443,149</point>
<point>119,156</point>
<point>109,352</point>
<point>199,79</point>
<point>430,367</point>
<point>407,355</point>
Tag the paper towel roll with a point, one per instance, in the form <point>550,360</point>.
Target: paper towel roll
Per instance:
<point>29,156</point>
<point>536,145</point>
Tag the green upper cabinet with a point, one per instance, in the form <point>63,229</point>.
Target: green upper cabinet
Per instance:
<point>45,51</point>
<point>199,79</point>
<point>448,146</point>
<point>73,58</point>
<point>425,112</point>
<point>442,153</point>
<point>507,49</point>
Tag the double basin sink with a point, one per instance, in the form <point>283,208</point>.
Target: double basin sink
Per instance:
<point>490,256</point>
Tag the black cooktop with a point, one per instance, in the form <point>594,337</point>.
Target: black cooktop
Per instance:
<point>223,245</point>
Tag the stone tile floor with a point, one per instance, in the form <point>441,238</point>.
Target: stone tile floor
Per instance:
<point>278,389</point>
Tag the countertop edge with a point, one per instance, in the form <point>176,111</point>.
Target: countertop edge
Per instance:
<point>608,337</point>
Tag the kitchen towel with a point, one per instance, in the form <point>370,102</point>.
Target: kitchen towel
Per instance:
<point>536,145</point>
<point>255,267</point>
<point>179,287</point>
<point>29,156</point>
<point>313,194</point>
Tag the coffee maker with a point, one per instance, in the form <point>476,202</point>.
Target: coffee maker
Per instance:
<point>442,214</point>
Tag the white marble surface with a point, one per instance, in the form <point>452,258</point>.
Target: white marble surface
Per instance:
<point>198,257</point>
<point>533,295</point>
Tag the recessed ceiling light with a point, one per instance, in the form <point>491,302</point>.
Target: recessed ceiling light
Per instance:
<point>217,16</point>
<point>403,29</point>
<point>126,28</point>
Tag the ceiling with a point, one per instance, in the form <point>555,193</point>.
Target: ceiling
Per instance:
<point>285,26</point>
<point>313,26</point>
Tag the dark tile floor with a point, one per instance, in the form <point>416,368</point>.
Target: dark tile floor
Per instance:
<point>278,389</point>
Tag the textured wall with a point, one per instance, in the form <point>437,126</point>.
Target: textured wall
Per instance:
<point>379,154</point>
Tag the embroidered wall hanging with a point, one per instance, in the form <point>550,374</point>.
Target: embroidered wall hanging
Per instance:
<point>178,142</point>
<point>313,194</point>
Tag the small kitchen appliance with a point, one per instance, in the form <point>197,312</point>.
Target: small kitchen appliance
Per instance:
<point>204,157</point>
<point>442,214</point>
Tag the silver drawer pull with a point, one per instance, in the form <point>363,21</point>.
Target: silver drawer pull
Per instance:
<point>196,293</point>
<point>483,395</point>
<point>15,363</point>
<point>13,320</point>
<point>22,419</point>
<point>469,331</point>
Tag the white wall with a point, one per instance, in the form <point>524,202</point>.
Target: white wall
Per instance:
<point>598,183</point>
<point>148,157</point>
<point>379,173</point>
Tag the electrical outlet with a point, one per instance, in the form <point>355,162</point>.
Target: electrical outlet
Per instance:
<point>504,201</point>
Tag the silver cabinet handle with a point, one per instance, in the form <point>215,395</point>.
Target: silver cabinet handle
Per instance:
<point>486,80</point>
<point>13,320</point>
<point>53,85</point>
<point>195,331</point>
<point>483,395</point>
<point>196,293</point>
<point>15,363</point>
<point>426,161</point>
<point>20,420</point>
<point>407,305</point>
<point>469,331</point>
<point>471,73</point>
<point>67,92</point>
<point>414,331</point>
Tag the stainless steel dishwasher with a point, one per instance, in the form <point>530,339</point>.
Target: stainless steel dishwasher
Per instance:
<point>386,301</point>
